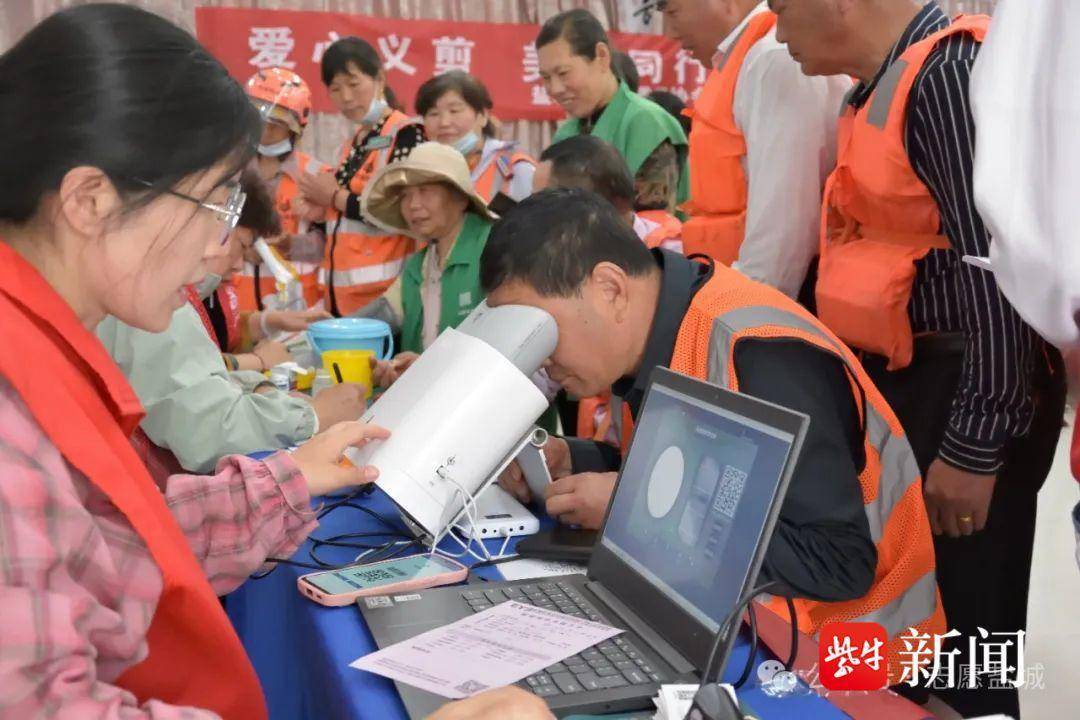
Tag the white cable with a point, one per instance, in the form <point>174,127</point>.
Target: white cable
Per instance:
<point>472,514</point>
<point>469,507</point>
<point>502,550</point>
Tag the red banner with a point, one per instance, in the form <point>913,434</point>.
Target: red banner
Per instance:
<point>502,55</point>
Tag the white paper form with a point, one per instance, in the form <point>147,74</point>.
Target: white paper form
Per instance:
<point>496,647</point>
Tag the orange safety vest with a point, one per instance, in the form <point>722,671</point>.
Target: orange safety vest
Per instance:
<point>493,172</point>
<point>878,218</point>
<point>718,190</point>
<point>668,227</point>
<point>361,260</point>
<point>259,276</point>
<point>904,594</point>
<point>87,409</point>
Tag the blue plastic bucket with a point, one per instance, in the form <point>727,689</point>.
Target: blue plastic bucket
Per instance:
<point>352,334</point>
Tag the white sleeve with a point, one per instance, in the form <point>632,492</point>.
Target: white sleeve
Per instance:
<point>1027,160</point>
<point>789,122</point>
<point>520,186</point>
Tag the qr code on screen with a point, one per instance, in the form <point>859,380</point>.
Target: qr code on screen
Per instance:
<point>731,489</point>
<point>471,687</point>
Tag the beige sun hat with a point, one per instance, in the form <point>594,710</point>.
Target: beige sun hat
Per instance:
<point>428,162</point>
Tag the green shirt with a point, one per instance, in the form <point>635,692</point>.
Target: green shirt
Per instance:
<point>195,408</point>
<point>459,289</point>
<point>636,126</point>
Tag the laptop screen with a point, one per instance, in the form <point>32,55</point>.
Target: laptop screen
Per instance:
<point>693,499</point>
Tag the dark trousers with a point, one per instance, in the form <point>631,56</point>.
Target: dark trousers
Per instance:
<point>983,577</point>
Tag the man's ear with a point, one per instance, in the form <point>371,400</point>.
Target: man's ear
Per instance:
<point>87,200</point>
<point>613,285</point>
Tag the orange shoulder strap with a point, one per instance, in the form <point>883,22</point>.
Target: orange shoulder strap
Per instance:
<point>714,105</point>
<point>887,108</point>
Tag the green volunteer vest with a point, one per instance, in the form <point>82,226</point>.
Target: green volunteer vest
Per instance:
<point>460,290</point>
<point>636,126</point>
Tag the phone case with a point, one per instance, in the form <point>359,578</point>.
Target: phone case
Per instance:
<point>342,599</point>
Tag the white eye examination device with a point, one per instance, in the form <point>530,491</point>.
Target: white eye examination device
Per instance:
<point>460,414</point>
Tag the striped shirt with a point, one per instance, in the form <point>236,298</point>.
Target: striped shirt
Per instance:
<point>993,402</point>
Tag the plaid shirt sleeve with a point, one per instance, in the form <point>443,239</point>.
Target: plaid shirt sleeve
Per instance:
<point>249,511</point>
<point>78,588</point>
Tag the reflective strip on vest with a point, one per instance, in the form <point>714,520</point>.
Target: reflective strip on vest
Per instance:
<point>898,464</point>
<point>487,162</point>
<point>483,165</point>
<point>349,226</point>
<point>878,114</point>
<point>899,469</point>
<point>722,60</point>
<point>740,319</point>
<point>368,274</point>
<point>304,268</point>
<point>908,610</point>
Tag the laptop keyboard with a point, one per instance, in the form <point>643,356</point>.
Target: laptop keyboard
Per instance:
<point>612,664</point>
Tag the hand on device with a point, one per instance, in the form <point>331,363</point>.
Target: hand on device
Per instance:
<point>508,703</point>
<point>557,456</point>
<point>581,499</point>
<point>319,459</point>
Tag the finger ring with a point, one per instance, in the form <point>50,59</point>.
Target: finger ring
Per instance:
<point>965,518</point>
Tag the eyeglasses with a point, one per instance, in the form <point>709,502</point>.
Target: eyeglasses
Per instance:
<point>228,214</point>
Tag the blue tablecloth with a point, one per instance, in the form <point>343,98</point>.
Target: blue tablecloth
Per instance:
<point>302,650</point>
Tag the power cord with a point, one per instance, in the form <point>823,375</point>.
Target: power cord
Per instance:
<point>395,541</point>
<point>711,674</point>
<point>749,666</point>
<point>724,630</point>
<point>472,514</point>
<point>712,701</point>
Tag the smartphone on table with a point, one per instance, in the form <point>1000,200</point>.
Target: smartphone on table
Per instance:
<point>337,588</point>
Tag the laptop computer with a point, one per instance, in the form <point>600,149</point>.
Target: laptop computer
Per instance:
<point>684,538</point>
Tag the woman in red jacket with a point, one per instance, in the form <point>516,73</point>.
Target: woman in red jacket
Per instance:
<point>122,140</point>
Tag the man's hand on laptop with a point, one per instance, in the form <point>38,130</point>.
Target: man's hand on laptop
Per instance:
<point>581,499</point>
<point>557,457</point>
<point>508,703</point>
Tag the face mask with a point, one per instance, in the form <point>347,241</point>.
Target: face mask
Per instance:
<point>277,149</point>
<point>374,112</point>
<point>467,143</point>
<point>208,285</point>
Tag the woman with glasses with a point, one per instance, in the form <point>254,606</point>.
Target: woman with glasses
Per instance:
<point>201,405</point>
<point>109,584</point>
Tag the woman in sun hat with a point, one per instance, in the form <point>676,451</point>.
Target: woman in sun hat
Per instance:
<point>429,196</point>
